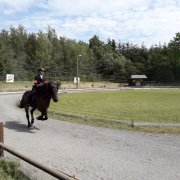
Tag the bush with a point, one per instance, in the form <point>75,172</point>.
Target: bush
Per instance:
<point>10,170</point>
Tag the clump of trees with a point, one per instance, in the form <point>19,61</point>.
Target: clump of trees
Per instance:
<point>21,53</point>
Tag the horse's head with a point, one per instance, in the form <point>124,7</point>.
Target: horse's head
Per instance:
<point>53,90</point>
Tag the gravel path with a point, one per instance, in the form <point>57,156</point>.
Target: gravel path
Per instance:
<point>90,153</point>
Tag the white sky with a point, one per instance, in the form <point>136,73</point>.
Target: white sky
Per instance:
<point>135,21</point>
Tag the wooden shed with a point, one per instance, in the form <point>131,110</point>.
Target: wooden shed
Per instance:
<point>137,80</point>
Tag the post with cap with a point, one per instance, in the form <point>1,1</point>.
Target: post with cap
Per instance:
<point>1,139</point>
<point>77,75</point>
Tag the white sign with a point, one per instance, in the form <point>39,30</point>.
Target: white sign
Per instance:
<point>75,80</point>
<point>9,77</point>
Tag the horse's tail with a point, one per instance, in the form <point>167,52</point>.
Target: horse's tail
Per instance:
<point>21,103</point>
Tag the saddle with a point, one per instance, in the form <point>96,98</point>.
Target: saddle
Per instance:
<point>34,93</point>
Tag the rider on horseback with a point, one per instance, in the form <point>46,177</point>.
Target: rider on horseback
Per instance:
<point>39,81</point>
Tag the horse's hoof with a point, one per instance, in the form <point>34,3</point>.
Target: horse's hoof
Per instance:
<point>29,125</point>
<point>32,122</point>
<point>44,119</point>
<point>39,118</point>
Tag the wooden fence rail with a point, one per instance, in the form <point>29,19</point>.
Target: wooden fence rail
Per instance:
<point>1,139</point>
<point>54,173</point>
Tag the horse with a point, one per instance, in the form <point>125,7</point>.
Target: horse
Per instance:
<point>41,102</point>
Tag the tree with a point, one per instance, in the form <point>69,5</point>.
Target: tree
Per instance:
<point>43,50</point>
<point>18,38</point>
<point>30,50</point>
<point>174,56</point>
<point>6,63</point>
<point>112,44</point>
<point>137,55</point>
<point>97,46</point>
<point>157,67</point>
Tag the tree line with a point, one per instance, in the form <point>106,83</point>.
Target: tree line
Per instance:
<point>21,53</point>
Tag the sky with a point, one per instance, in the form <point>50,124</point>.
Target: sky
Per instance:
<point>147,22</point>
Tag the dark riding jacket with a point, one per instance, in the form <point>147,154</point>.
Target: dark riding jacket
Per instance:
<point>39,80</point>
<point>36,89</point>
<point>38,83</point>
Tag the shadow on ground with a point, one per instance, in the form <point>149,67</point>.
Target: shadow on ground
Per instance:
<point>17,126</point>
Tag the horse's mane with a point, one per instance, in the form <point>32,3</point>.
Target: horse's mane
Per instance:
<point>53,84</point>
<point>49,85</point>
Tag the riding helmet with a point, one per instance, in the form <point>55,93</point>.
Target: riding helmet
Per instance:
<point>41,69</point>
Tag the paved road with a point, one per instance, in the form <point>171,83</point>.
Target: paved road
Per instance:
<point>89,152</point>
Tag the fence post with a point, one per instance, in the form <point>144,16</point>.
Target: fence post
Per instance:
<point>1,139</point>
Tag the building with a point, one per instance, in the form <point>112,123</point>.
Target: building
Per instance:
<point>137,80</point>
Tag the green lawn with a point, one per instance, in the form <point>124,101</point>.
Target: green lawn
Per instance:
<point>122,105</point>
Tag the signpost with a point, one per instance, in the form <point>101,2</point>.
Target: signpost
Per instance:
<point>9,77</point>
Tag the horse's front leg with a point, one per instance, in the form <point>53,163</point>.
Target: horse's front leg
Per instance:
<point>45,116</point>
<point>32,117</point>
<point>40,117</point>
<point>27,115</point>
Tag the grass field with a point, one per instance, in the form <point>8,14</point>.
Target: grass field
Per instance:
<point>117,109</point>
<point>124,105</point>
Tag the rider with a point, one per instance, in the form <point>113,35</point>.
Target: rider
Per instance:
<point>39,81</point>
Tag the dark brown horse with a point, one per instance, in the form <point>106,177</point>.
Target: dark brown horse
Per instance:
<point>41,102</point>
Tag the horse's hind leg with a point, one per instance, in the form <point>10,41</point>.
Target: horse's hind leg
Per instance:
<point>27,115</point>
<point>32,117</point>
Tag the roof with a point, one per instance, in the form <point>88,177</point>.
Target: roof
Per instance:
<point>138,76</point>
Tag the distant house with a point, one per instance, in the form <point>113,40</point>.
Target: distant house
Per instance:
<point>137,80</point>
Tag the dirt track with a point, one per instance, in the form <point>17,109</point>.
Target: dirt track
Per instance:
<point>90,153</point>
